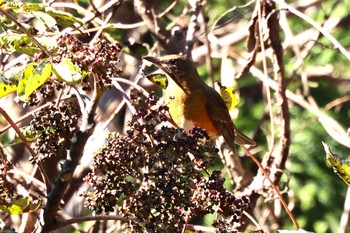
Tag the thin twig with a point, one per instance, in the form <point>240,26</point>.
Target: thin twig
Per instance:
<point>346,214</point>
<point>121,104</point>
<point>26,144</point>
<point>28,114</point>
<point>266,175</point>
<point>337,101</point>
<point>334,129</point>
<point>63,223</point>
<point>315,25</point>
<point>99,32</point>
<point>262,23</point>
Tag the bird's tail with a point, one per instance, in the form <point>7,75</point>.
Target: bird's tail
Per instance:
<point>241,139</point>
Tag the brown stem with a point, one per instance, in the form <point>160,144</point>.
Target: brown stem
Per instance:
<point>26,144</point>
<point>48,215</point>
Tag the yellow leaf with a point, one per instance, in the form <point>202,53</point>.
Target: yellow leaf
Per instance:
<point>228,96</point>
<point>6,89</point>
<point>32,79</point>
<point>17,206</point>
<point>40,75</point>
<point>21,205</point>
<point>23,81</point>
<point>340,166</point>
<point>68,72</point>
<point>158,79</point>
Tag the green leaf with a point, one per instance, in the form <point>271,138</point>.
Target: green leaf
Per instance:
<point>17,206</point>
<point>228,96</point>
<point>62,18</point>
<point>40,75</point>
<point>28,132</point>
<point>23,7</point>
<point>9,79</point>
<point>135,49</point>
<point>20,43</point>
<point>158,79</point>
<point>68,72</point>
<point>20,206</point>
<point>24,80</point>
<point>24,44</point>
<point>32,79</point>
<point>46,19</point>
<point>340,166</point>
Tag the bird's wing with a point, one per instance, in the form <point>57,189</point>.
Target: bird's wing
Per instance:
<point>221,118</point>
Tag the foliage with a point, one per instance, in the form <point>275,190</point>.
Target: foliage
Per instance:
<point>149,170</point>
<point>67,82</point>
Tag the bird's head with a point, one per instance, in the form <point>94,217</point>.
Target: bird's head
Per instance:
<point>178,68</point>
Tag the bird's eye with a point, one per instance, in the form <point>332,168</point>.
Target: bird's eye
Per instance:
<point>173,61</point>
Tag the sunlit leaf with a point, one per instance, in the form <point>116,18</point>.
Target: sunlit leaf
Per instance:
<point>340,166</point>
<point>48,20</point>
<point>23,7</point>
<point>23,81</point>
<point>68,72</point>
<point>6,88</point>
<point>24,44</point>
<point>158,79</point>
<point>62,18</point>
<point>9,79</point>
<point>17,206</point>
<point>32,79</point>
<point>228,96</point>
<point>18,43</point>
<point>40,75</point>
<point>20,206</point>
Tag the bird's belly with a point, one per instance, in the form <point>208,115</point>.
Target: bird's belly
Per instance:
<point>187,114</point>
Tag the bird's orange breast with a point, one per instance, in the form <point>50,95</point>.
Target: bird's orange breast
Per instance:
<point>189,110</point>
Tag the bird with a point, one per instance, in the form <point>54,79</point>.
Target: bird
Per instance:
<point>193,103</point>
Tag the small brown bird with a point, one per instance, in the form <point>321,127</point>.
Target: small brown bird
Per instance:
<point>192,102</point>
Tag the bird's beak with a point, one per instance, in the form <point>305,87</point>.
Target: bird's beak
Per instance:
<point>153,60</point>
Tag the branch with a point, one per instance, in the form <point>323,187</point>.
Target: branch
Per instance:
<point>172,44</point>
<point>26,144</point>
<point>333,128</point>
<point>67,222</point>
<point>47,218</point>
<point>315,25</point>
<point>193,26</point>
<point>273,26</point>
<point>274,161</point>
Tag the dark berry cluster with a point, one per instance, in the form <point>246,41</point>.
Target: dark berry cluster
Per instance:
<point>7,188</point>
<point>47,90</point>
<point>55,127</point>
<point>100,58</point>
<point>209,193</point>
<point>155,174</point>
